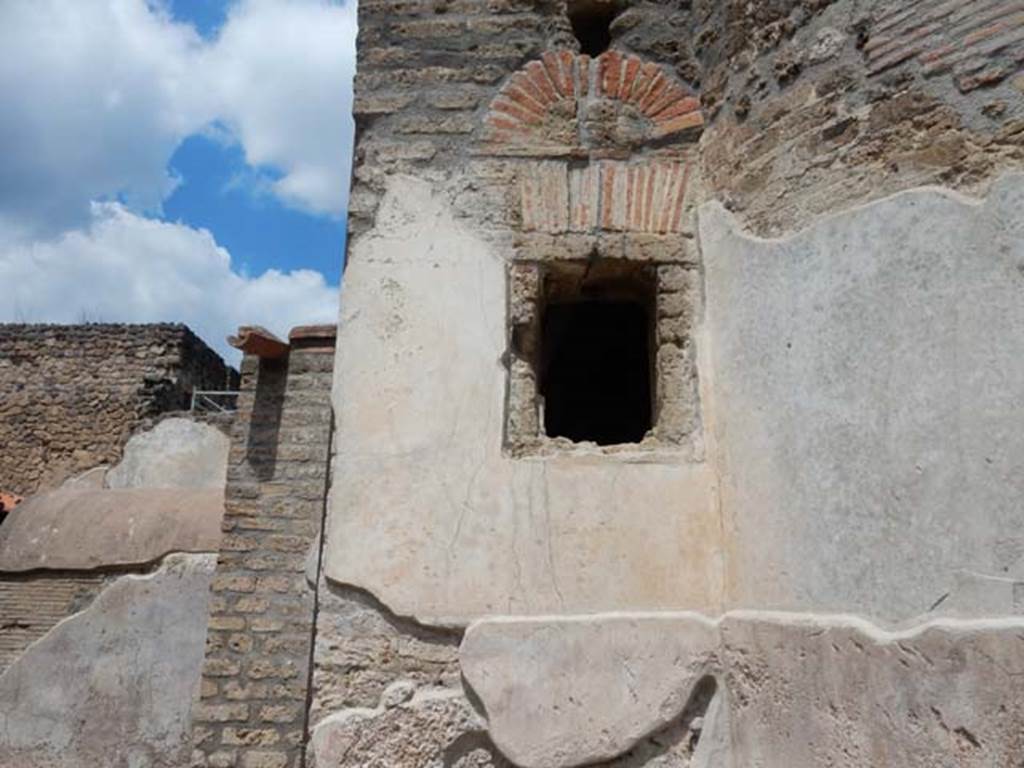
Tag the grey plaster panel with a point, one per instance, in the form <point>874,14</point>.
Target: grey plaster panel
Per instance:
<point>112,685</point>
<point>866,381</point>
<point>85,529</point>
<point>176,453</point>
<point>793,691</point>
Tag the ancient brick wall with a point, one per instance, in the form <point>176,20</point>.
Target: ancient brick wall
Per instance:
<point>30,606</point>
<point>821,104</point>
<point>70,396</point>
<point>253,704</point>
<point>424,78</point>
<point>853,100</point>
<point>556,159</point>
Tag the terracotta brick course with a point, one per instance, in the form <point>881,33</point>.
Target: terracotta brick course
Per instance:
<point>611,195</point>
<point>533,112</point>
<point>30,606</point>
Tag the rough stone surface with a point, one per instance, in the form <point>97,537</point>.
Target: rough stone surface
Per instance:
<point>176,453</point>
<point>942,695</point>
<point>490,155</point>
<point>794,690</point>
<point>432,728</point>
<point>85,529</point>
<point>362,649</point>
<point>868,413</point>
<point>112,685</point>
<point>819,105</point>
<point>72,395</point>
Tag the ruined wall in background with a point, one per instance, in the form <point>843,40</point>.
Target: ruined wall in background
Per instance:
<point>104,591</point>
<point>71,396</point>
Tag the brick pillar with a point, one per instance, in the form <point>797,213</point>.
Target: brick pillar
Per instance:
<point>252,707</point>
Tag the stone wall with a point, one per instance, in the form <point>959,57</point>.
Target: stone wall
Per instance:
<point>822,105</point>
<point>71,396</point>
<point>836,410</point>
<point>112,684</point>
<point>253,706</point>
<point>104,590</point>
<point>30,606</point>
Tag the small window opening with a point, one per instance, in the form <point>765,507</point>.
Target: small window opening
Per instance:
<point>591,24</point>
<point>596,369</point>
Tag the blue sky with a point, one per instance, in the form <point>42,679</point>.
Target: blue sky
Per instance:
<point>260,232</point>
<point>174,160</point>
<point>207,16</point>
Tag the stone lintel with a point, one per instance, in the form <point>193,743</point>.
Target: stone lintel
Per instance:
<point>256,340</point>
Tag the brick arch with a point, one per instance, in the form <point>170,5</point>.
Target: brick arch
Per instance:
<point>565,104</point>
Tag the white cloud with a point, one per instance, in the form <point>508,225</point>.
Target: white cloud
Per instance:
<point>127,268</point>
<point>97,95</point>
<point>280,72</point>
<point>94,99</point>
<point>90,107</point>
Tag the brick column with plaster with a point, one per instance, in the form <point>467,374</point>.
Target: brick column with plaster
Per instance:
<point>252,707</point>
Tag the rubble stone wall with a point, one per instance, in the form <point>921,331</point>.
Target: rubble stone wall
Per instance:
<point>71,396</point>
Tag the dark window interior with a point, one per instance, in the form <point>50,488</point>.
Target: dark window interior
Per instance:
<point>591,24</point>
<point>596,379</point>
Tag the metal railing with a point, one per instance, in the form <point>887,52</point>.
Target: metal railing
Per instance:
<point>208,401</point>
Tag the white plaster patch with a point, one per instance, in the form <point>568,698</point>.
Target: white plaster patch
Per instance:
<point>176,453</point>
<point>426,511</point>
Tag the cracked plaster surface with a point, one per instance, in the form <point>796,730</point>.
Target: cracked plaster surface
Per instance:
<point>865,379</point>
<point>861,389</point>
<point>114,684</point>
<point>794,689</point>
<point>426,510</point>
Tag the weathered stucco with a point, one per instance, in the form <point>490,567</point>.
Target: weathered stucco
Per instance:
<point>112,685</point>
<point>867,401</point>
<point>836,423</point>
<point>862,380</point>
<point>166,495</point>
<point>792,690</point>
<point>176,453</point>
<point>85,529</point>
<point>426,511</point>
<point>577,691</point>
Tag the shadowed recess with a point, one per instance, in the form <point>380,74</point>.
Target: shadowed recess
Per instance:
<point>597,382</point>
<point>591,24</point>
